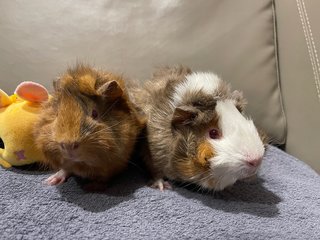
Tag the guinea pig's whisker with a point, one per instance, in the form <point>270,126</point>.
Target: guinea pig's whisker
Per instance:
<point>272,140</point>
<point>189,183</point>
<point>136,166</point>
<point>219,182</point>
<point>91,125</point>
<point>205,178</point>
<point>67,92</point>
<point>201,189</point>
<point>100,140</point>
<point>207,175</point>
<point>87,128</point>
<point>195,188</point>
<point>194,179</point>
<point>114,125</point>
<point>105,130</point>
<point>84,131</point>
<point>142,137</point>
<point>199,174</point>
<point>109,109</point>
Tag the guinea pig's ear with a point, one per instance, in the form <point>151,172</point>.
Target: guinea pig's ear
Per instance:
<point>110,89</point>
<point>184,115</point>
<point>240,101</point>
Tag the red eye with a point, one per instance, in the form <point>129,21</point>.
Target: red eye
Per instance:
<point>214,133</point>
<point>94,114</point>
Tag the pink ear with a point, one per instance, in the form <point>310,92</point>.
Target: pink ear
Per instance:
<point>32,92</point>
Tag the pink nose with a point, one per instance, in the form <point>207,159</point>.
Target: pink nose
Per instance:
<point>254,162</point>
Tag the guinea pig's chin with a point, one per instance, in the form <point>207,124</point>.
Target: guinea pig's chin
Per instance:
<point>73,159</point>
<point>223,177</point>
<point>246,173</point>
<point>218,184</point>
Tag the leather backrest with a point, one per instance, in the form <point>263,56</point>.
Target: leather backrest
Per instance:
<point>235,39</point>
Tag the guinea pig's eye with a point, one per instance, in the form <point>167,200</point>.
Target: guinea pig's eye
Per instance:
<point>214,133</point>
<point>94,114</point>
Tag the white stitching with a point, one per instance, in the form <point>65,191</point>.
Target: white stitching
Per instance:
<point>315,54</point>
<point>305,34</point>
<point>310,45</point>
<point>311,35</point>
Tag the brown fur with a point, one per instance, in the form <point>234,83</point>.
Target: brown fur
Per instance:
<point>176,147</point>
<point>105,143</point>
<point>172,148</point>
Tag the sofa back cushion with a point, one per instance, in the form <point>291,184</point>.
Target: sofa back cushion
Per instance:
<point>235,39</point>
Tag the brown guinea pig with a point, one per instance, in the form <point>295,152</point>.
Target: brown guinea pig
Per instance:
<point>196,130</point>
<point>89,127</point>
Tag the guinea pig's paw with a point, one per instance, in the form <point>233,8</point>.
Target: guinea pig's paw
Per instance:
<point>57,178</point>
<point>161,185</point>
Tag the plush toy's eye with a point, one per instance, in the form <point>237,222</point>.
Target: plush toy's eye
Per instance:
<point>94,114</point>
<point>214,133</point>
<point>1,143</point>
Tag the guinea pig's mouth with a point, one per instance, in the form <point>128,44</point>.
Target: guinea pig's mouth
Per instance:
<point>225,177</point>
<point>72,159</point>
<point>76,159</point>
<point>72,156</point>
<point>248,172</point>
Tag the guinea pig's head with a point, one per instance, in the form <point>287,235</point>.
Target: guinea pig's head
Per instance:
<point>89,107</point>
<point>215,144</point>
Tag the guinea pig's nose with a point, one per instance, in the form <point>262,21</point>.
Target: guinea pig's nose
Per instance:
<point>255,162</point>
<point>69,146</point>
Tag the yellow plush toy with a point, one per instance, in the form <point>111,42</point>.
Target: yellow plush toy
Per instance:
<point>18,113</point>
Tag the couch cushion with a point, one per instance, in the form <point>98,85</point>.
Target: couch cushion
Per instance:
<point>235,39</point>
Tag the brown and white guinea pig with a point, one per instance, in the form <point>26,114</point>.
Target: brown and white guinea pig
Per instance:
<point>89,127</point>
<point>196,130</point>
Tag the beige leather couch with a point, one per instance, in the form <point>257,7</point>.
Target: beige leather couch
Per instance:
<point>269,49</point>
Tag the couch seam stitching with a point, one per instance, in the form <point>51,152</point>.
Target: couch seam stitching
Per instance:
<point>317,67</point>
<point>312,57</point>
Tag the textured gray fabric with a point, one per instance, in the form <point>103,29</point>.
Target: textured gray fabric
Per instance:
<point>284,203</point>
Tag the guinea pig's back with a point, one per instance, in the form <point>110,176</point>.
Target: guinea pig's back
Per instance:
<point>157,92</point>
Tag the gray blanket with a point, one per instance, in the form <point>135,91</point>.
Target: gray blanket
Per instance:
<point>284,203</point>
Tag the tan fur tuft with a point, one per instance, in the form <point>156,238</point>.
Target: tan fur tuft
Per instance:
<point>205,152</point>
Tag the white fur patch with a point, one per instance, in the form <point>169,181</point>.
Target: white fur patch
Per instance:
<point>195,82</point>
<point>240,141</point>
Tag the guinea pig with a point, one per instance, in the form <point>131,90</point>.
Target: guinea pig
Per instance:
<point>196,130</point>
<point>89,126</point>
